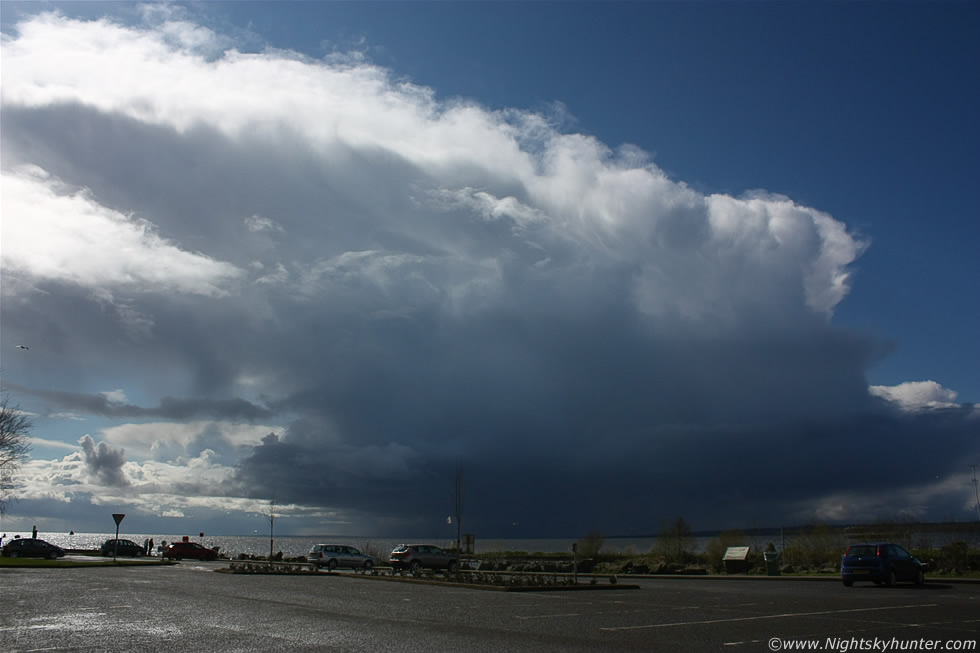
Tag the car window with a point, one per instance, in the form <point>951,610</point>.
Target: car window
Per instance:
<point>901,553</point>
<point>861,551</point>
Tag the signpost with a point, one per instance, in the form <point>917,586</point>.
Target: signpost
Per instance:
<point>118,516</point>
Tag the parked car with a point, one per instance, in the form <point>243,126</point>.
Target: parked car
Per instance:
<point>180,550</point>
<point>32,548</point>
<point>418,556</point>
<point>881,563</point>
<point>124,548</point>
<point>332,556</point>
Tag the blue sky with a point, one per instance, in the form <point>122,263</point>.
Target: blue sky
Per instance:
<point>332,250</point>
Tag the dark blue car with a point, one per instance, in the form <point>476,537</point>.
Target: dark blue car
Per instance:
<point>881,563</point>
<point>32,548</point>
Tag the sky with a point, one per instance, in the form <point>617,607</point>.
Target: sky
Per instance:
<point>613,263</point>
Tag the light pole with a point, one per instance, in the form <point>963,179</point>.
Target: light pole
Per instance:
<point>976,493</point>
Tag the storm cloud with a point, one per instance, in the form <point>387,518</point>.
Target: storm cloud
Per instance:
<point>407,284</point>
<point>104,463</point>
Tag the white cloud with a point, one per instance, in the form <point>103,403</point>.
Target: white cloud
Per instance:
<point>56,444</point>
<point>54,232</point>
<point>258,224</point>
<point>169,441</point>
<point>869,505</point>
<point>486,205</point>
<point>279,275</point>
<point>916,395</point>
<point>153,486</point>
<point>588,205</point>
<point>115,396</point>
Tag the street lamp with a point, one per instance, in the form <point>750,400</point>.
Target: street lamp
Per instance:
<point>976,492</point>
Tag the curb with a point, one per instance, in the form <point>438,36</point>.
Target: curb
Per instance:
<point>834,579</point>
<point>498,588</point>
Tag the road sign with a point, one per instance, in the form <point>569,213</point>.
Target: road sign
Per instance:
<point>118,516</point>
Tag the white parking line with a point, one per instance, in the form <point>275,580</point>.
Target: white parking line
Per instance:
<point>550,616</point>
<point>769,616</point>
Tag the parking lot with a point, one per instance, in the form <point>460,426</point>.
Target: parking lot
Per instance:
<point>189,607</point>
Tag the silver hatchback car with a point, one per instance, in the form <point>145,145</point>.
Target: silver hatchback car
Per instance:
<point>332,556</point>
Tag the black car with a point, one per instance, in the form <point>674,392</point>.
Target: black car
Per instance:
<point>32,548</point>
<point>122,548</point>
<point>181,550</point>
<point>418,556</point>
<point>882,563</point>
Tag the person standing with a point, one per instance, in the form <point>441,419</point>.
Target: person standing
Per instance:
<point>34,533</point>
<point>149,549</point>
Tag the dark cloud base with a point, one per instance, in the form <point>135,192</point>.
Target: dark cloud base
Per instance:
<point>715,477</point>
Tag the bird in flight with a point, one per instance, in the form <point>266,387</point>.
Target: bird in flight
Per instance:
<point>22,347</point>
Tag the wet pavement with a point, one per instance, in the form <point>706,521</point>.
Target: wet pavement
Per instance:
<point>188,607</point>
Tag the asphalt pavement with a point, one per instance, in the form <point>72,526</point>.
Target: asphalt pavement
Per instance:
<point>189,607</point>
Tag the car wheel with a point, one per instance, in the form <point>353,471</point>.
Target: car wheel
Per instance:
<point>332,565</point>
<point>848,583</point>
<point>178,558</point>
<point>139,554</point>
<point>452,566</point>
<point>368,565</point>
<point>892,580</point>
<point>12,554</point>
<point>416,566</point>
<point>52,555</point>
<point>920,578</point>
